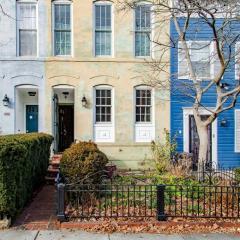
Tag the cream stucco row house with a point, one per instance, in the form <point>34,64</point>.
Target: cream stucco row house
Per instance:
<point>71,69</point>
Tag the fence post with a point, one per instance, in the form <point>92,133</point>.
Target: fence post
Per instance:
<point>61,202</point>
<point>160,203</point>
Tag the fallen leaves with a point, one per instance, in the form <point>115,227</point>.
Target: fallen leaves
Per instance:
<point>169,227</point>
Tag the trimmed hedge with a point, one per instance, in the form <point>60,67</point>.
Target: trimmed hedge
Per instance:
<point>24,160</point>
<point>83,162</point>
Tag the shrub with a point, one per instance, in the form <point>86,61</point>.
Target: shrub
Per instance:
<point>83,162</point>
<point>24,161</point>
<point>163,152</point>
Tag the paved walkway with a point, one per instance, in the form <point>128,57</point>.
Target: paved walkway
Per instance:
<point>77,235</point>
<point>41,212</point>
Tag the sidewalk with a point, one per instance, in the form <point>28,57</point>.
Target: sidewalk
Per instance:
<point>79,235</point>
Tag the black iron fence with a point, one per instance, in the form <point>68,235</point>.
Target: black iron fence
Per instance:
<point>147,201</point>
<point>216,174</point>
<point>202,201</point>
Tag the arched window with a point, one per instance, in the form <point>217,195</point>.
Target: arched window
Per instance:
<point>103,113</point>
<point>144,114</point>
<point>27,33</point>
<point>143,104</point>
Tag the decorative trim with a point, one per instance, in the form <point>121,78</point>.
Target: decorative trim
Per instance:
<point>186,113</point>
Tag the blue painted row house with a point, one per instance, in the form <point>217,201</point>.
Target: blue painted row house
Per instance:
<point>224,133</point>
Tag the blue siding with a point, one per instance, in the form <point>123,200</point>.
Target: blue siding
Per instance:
<point>226,143</point>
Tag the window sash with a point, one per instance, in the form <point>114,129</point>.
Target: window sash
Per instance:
<point>62,30</point>
<point>103,30</point>
<point>27,29</point>
<point>143,109</point>
<point>103,106</point>
<point>200,53</point>
<point>27,42</point>
<point>237,61</point>
<point>142,30</point>
<point>27,16</point>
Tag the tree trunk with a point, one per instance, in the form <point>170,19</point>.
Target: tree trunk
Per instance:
<point>203,149</point>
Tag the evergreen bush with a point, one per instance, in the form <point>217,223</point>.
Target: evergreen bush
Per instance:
<point>84,163</point>
<point>24,160</point>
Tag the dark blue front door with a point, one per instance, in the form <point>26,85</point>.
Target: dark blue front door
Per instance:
<point>31,118</point>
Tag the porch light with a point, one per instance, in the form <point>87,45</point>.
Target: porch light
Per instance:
<point>32,94</point>
<point>65,94</point>
<point>84,101</point>
<point>225,86</point>
<point>223,122</point>
<point>6,101</point>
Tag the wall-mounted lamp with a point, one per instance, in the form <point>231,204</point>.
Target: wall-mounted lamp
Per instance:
<point>65,94</point>
<point>224,86</point>
<point>223,122</point>
<point>84,101</point>
<point>6,101</point>
<point>32,94</point>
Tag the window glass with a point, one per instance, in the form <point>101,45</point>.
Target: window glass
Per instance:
<point>143,105</point>
<point>200,59</point>
<point>27,29</point>
<point>142,30</point>
<point>103,105</point>
<point>62,29</point>
<point>103,30</point>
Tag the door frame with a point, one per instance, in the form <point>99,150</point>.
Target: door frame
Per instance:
<point>186,113</point>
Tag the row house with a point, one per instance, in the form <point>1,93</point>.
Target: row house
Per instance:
<point>71,69</point>
<point>224,132</point>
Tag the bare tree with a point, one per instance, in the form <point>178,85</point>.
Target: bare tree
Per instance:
<point>220,17</point>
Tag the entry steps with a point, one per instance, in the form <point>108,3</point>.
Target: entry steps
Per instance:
<point>53,169</point>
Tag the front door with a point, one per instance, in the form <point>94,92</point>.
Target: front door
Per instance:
<point>66,126</point>
<point>194,140</point>
<point>31,118</point>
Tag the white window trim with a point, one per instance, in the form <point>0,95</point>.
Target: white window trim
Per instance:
<point>17,27</point>
<point>57,2</point>
<point>147,124</point>
<point>237,65</point>
<point>235,131</point>
<point>211,52</point>
<point>152,32</point>
<point>99,3</point>
<point>186,113</point>
<point>106,125</point>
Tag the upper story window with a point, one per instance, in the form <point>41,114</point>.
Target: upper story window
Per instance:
<point>103,105</point>
<point>201,54</point>
<point>143,30</point>
<point>103,29</point>
<point>62,29</point>
<point>143,105</point>
<point>27,28</point>
<point>237,61</point>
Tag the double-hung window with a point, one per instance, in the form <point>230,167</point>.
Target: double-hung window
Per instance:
<point>200,54</point>
<point>103,105</point>
<point>103,29</point>
<point>237,61</point>
<point>143,105</point>
<point>143,30</point>
<point>144,114</point>
<point>27,29</point>
<point>62,29</point>
<point>103,114</point>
